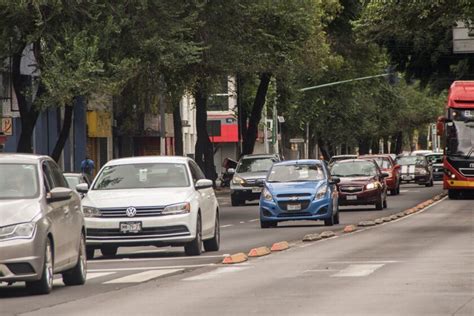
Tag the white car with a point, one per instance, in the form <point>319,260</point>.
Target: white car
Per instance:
<point>154,200</point>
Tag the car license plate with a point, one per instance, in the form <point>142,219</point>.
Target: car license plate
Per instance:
<point>407,177</point>
<point>130,227</point>
<point>351,197</point>
<point>293,207</point>
<point>256,190</point>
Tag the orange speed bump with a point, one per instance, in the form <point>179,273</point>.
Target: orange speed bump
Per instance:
<point>236,258</point>
<point>259,252</point>
<point>279,246</point>
<point>350,228</point>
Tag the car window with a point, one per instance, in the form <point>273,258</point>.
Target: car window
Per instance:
<point>296,173</point>
<point>354,169</point>
<point>142,176</point>
<point>196,172</point>
<point>411,160</point>
<point>56,175</point>
<point>47,177</point>
<point>383,163</point>
<point>72,181</point>
<point>18,181</point>
<point>255,164</point>
<point>435,158</point>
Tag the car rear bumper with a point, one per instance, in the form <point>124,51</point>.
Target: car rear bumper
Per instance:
<point>246,193</point>
<point>360,198</point>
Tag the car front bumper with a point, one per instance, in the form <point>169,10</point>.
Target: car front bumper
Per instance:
<point>274,211</point>
<point>22,259</point>
<point>157,230</point>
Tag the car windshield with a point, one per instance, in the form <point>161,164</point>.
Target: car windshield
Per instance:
<point>435,158</point>
<point>255,165</point>
<point>411,160</point>
<point>296,173</point>
<point>72,181</point>
<point>18,181</point>
<point>354,169</point>
<point>142,176</point>
<point>382,162</point>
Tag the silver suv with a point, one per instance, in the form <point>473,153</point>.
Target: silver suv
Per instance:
<point>42,229</point>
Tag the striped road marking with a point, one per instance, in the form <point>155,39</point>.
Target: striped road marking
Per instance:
<point>143,276</point>
<point>90,276</point>
<point>214,274</point>
<point>358,270</point>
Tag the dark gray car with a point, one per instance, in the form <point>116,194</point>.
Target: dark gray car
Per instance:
<point>42,230</point>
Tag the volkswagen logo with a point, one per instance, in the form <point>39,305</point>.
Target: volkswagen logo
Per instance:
<point>131,211</point>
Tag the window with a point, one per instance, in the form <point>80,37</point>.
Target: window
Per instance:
<point>196,172</point>
<point>57,175</point>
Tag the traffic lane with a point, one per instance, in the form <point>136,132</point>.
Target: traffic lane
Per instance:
<point>421,264</point>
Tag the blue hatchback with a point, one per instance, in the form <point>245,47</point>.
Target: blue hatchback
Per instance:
<point>299,190</point>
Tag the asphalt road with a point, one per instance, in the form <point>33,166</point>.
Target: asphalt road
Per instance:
<point>149,266</point>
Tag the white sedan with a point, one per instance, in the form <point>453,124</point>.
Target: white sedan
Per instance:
<point>155,200</point>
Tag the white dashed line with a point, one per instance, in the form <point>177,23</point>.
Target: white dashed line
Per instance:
<point>358,270</point>
<point>228,225</point>
<point>142,276</point>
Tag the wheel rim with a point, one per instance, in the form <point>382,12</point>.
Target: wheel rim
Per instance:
<point>49,265</point>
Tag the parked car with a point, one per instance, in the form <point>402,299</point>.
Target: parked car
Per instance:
<point>341,157</point>
<point>42,229</point>
<point>299,190</point>
<point>436,161</point>
<point>154,200</point>
<point>388,165</point>
<point>247,182</point>
<point>362,183</point>
<point>73,179</point>
<point>416,169</point>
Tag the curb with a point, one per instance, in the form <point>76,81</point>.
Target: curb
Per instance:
<point>312,237</point>
<point>280,246</point>
<point>235,258</point>
<point>259,252</point>
<point>350,228</point>
<point>327,234</point>
<point>366,223</point>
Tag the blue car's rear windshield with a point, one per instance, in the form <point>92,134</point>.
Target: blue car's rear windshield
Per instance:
<point>296,173</point>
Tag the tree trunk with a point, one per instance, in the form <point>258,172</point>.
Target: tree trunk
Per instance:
<point>64,134</point>
<point>324,150</point>
<point>364,146</point>
<point>375,146</point>
<point>256,115</point>
<point>242,113</point>
<point>178,130</point>
<point>28,113</point>
<point>204,152</point>
<point>399,143</point>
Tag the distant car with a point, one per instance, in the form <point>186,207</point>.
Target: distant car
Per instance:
<point>388,165</point>
<point>362,183</point>
<point>299,190</point>
<point>416,169</point>
<point>73,179</point>
<point>341,157</point>
<point>154,200</point>
<point>42,230</point>
<point>247,182</point>
<point>436,161</point>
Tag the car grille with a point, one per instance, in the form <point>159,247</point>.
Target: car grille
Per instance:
<point>467,172</point>
<point>284,204</point>
<point>147,232</point>
<point>141,211</point>
<point>294,214</point>
<point>351,189</point>
<point>289,195</point>
<point>253,183</point>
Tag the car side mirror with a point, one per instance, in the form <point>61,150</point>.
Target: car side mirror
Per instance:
<point>231,171</point>
<point>203,184</point>
<point>385,175</point>
<point>82,188</point>
<point>334,180</point>
<point>59,194</point>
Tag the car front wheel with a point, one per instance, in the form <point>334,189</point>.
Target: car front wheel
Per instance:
<point>45,284</point>
<point>194,248</point>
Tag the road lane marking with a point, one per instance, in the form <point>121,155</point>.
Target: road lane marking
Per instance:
<point>242,222</point>
<point>364,262</point>
<point>254,220</point>
<point>320,270</point>
<point>143,276</point>
<point>228,225</point>
<point>121,260</point>
<point>358,270</point>
<point>153,268</point>
<point>214,274</point>
<point>90,276</point>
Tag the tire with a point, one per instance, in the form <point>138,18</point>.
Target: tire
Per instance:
<point>45,284</point>
<point>268,224</point>
<point>213,244</point>
<point>393,192</point>
<point>329,221</point>
<point>453,194</point>
<point>90,253</point>
<point>430,184</point>
<point>194,248</point>
<point>336,218</point>
<point>109,251</point>
<point>398,189</point>
<point>379,204</point>
<point>236,202</point>
<point>385,203</point>
<point>78,274</point>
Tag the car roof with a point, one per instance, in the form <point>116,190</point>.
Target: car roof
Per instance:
<point>260,156</point>
<point>354,160</point>
<point>300,161</point>
<point>342,156</point>
<point>21,158</point>
<point>148,159</point>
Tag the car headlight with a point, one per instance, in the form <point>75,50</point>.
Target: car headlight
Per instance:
<point>420,171</point>
<point>371,186</point>
<point>321,192</point>
<point>238,180</point>
<point>175,209</point>
<point>267,195</point>
<point>24,230</point>
<point>91,211</point>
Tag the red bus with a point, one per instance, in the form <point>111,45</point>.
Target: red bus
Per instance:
<point>457,129</point>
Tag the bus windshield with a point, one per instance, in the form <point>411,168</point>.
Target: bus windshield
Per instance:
<point>460,138</point>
